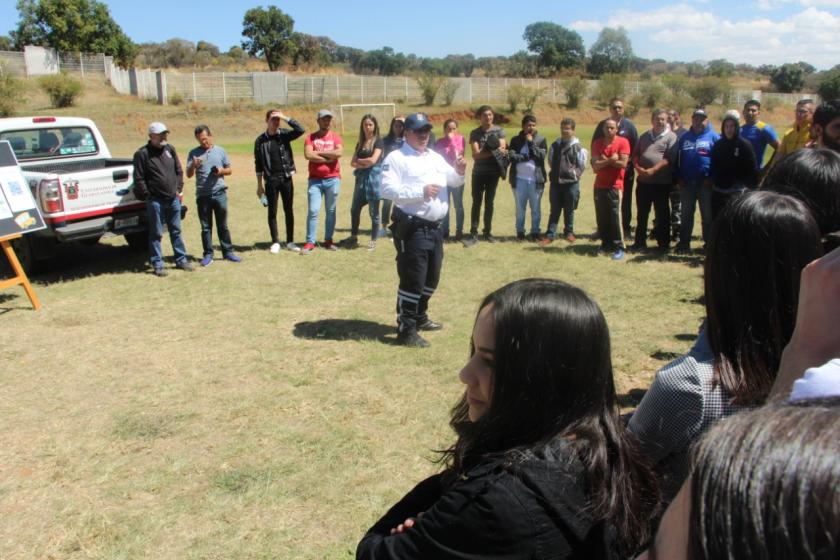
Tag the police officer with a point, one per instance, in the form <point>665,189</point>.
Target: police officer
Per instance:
<point>416,179</point>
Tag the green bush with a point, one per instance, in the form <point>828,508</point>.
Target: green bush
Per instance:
<point>676,83</point>
<point>429,85</point>
<point>575,89</point>
<point>62,89</point>
<point>682,102</point>
<point>609,87</point>
<point>11,93</point>
<point>449,89</point>
<point>706,90</point>
<point>829,87</point>
<point>176,99</point>
<point>652,94</point>
<point>527,97</point>
<point>633,106</point>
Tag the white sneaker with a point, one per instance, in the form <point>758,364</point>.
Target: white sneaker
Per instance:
<point>275,248</point>
<point>292,247</point>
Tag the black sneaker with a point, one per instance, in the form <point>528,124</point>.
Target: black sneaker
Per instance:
<point>469,241</point>
<point>489,238</point>
<point>429,325</point>
<point>185,266</point>
<point>160,272</point>
<point>412,340</point>
<point>520,236</point>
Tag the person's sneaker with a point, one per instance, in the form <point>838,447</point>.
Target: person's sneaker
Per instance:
<point>536,237</point>
<point>488,237</point>
<point>520,236</point>
<point>292,247</point>
<point>348,243</point>
<point>545,241</point>
<point>307,248</point>
<point>329,245</point>
<point>185,266</point>
<point>429,325</point>
<point>459,235</point>
<point>275,248</point>
<point>595,236</point>
<point>233,258</point>
<point>469,241</point>
<point>207,260</point>
<point>682,249</point>
<point>412,340</point>
<point>371,246</point>
<point>383,233</point>
<point>571,238</point>
<point>161,272</point>
<point>618,255</point>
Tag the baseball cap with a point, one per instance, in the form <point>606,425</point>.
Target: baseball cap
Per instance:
<point>157,128</point>
<point>417,121</point>
<point>699,112</point>
<point>324,113</point>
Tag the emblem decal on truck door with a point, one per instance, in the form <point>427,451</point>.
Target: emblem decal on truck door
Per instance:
<point>71,189</point>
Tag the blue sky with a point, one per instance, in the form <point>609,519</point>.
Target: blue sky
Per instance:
<point>754,31</point>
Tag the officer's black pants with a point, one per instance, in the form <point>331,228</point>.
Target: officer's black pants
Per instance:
<point>419,259</point>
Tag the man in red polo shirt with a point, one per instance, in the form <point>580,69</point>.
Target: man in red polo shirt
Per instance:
<point>610,155</point>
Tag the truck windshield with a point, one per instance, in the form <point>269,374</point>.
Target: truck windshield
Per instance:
<point>48,143</point>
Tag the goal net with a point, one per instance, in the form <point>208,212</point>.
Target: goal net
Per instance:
<point>351,117</point>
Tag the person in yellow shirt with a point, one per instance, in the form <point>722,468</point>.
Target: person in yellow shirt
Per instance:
<point>798,136</point>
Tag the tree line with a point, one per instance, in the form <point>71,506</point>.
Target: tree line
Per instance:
<point>269,35</point>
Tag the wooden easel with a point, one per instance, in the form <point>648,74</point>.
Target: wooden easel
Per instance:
<point>20,276</point>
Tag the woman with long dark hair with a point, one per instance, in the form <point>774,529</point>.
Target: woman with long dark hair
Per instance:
<point>366,161</point>
<point>759,245</point>
<point>542,466</point>
<point>394,140</point>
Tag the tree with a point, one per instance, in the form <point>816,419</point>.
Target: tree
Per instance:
<point>787,78</point>
<point>384,61</point>
<point>210,48</point>
<point>706,90</point>
<point>73,25</point>
<point>720,67</point>
<point>268,33</point>
<point>806,68</point>
<point>611,53</point>
<point>307,50</point>
<point>6,43</point>
<point>829,87</point>
<point>555,46</point>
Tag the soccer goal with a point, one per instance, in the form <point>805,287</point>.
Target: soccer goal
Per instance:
<point>351,116</point>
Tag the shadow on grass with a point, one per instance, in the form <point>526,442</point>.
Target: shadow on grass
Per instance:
<point>577,248</point>
<point>665,356</point>
<point>691,260</point>
<point>631,398</point>
<point>687,337</point>
<point>346,329</point>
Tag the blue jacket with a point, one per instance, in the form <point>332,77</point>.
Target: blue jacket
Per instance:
<point>696,154</point>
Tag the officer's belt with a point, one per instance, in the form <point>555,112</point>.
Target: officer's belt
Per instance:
<point>418,222</point>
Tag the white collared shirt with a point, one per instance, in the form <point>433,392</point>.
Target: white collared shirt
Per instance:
<point>406,172</point>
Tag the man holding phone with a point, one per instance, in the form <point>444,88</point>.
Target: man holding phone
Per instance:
<point>210,164</point>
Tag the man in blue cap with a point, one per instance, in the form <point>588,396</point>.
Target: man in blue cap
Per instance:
<point>416,179</point>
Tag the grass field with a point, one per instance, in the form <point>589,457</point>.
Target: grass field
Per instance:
<point>261,410</point>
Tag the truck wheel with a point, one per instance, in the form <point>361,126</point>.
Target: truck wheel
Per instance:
<point>137,241</point>
<point>25,254</point>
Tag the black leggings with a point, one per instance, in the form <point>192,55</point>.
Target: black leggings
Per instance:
<point>483,186</point>
<point>281,187</point>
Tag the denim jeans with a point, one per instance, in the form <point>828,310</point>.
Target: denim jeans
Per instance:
<point>528,192</point>
<point>690,193</point>
<point>208,206</point>
<point>359,201</point>
<point>168,211</point>
<point>328,189</point>
<point>564,198</point>
<point>456,194</point>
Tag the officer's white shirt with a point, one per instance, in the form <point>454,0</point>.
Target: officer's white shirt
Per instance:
<point>405,172</point>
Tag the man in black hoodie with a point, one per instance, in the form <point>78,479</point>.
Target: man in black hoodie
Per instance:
<point>733,168</point>
<point>159,180</point>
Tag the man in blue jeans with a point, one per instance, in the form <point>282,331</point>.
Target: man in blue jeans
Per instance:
<point>527,175</point>
<point>159,180</point>
<point>567,158</point>
<point>695,150</point>
<point>210,164</point>
<point>323,150</point>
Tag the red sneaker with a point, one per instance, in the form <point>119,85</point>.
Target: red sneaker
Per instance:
<point>307,248</point>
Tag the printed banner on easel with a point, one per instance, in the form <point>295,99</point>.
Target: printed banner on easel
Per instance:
<point>18,211</point>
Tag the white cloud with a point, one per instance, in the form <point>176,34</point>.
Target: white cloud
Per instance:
<point>693,34</point>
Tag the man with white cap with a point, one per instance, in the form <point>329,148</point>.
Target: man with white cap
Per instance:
<point>323,149</point>
<point>159,180</point>
<point>416,179</point>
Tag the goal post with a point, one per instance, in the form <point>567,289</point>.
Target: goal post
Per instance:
<point>351,115</point>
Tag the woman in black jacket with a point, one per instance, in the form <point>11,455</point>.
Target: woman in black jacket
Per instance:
<point>733,167</point>
<point>542,466</point>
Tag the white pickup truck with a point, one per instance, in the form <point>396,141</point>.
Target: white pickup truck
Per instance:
<point>83,192</point>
